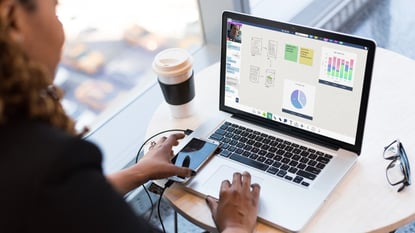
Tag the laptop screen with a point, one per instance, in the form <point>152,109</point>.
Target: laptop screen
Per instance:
<point>312,82</point>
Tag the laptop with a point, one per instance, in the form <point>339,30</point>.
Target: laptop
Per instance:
<point>292,103</point>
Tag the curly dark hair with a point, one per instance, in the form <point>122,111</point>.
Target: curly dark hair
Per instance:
<point>26,87</point>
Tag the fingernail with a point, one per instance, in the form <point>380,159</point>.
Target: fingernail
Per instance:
<point>193,173</point>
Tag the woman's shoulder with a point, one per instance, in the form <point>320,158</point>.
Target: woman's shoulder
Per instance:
<point>44,145</point>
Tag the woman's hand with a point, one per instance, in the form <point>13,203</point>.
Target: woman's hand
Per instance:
<point>155,164</point>
<point>237,207</point>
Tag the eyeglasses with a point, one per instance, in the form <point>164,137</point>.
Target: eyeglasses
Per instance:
<point>398,171</point>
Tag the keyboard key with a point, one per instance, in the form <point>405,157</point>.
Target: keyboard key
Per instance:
<point>278,158</point>
<point>293,163</point>
<point>306,175</point>
<point>225,153</point>
<point>323,160</point>
<point>272,170</point>
<point>312,163</point>
<point>253,156</point>
<point>296,151</point>
<point>265,147</point>
<point>276,164</point>
<point>285,167</point>
<point>246,153</point>
<point>229,135</point>
<point>281,173</point>
<point>216,137</point>
<point>304,160</point>
<point>288,155</point>
<point>288,178</point>
<point>296,157</point>
<point>258,144</point>
<point>312,156</point>
<point>311,150</point>
<point>289,148</point>
<point>273,143</point>
<point>321,165</point>
<point>287,142</point>
<point>298,179</point>
<point>302,166</point>
<point>224,145</point>
<point>248,147</point>
<point>236,137</point>
<point>270,155</point>
<point>269,161</point>
<point>280,152</point>
<point>261,159</point>
<point>313,170</point>
<point>305,184</point>
<point>224,126</point>
<point>304,153</point>
<point>293,170</point>
<point>249,162</point>
<point>328,156</point>
<point>220,131</point>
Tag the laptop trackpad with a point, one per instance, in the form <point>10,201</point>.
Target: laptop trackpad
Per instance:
<point>212,185</point>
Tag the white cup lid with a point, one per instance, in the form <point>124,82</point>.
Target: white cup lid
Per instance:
<point>172,62</point>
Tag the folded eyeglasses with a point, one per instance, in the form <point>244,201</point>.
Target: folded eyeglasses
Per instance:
<point>398,171</point>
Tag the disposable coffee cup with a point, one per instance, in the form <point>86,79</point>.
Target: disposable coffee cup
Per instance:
<point>174,69</point>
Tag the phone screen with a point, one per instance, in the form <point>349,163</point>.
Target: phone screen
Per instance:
<point>198,151</point>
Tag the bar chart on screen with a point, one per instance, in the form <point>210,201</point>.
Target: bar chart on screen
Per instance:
<point>337,68</point>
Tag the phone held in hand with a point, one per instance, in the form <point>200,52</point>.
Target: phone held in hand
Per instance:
<point>193,155</point>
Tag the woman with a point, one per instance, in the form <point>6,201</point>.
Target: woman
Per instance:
<point>52,180</point>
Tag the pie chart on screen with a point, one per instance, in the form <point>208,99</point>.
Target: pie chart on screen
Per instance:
<point>298,99</point>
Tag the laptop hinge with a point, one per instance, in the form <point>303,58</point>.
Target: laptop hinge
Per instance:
<point>287,130</point>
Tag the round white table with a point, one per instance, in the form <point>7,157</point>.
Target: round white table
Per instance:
<point>363,201</point>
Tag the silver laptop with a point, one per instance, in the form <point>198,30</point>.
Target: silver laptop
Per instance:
<point>293,103</point>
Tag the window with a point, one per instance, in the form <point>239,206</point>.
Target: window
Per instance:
<point>327,14</point>
<point>110,46</point>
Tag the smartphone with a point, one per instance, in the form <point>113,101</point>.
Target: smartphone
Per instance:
<point>193,155</point>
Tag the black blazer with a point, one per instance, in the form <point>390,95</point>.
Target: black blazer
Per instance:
<point>53,182</point>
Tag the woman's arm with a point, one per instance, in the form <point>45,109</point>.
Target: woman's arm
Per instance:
<point>155,164</point>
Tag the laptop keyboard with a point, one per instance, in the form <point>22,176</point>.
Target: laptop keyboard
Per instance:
<point>282,158</point>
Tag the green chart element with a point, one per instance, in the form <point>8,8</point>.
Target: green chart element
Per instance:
<point>291,53</point>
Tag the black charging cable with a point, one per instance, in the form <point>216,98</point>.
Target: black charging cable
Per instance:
<point>186,163</point>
